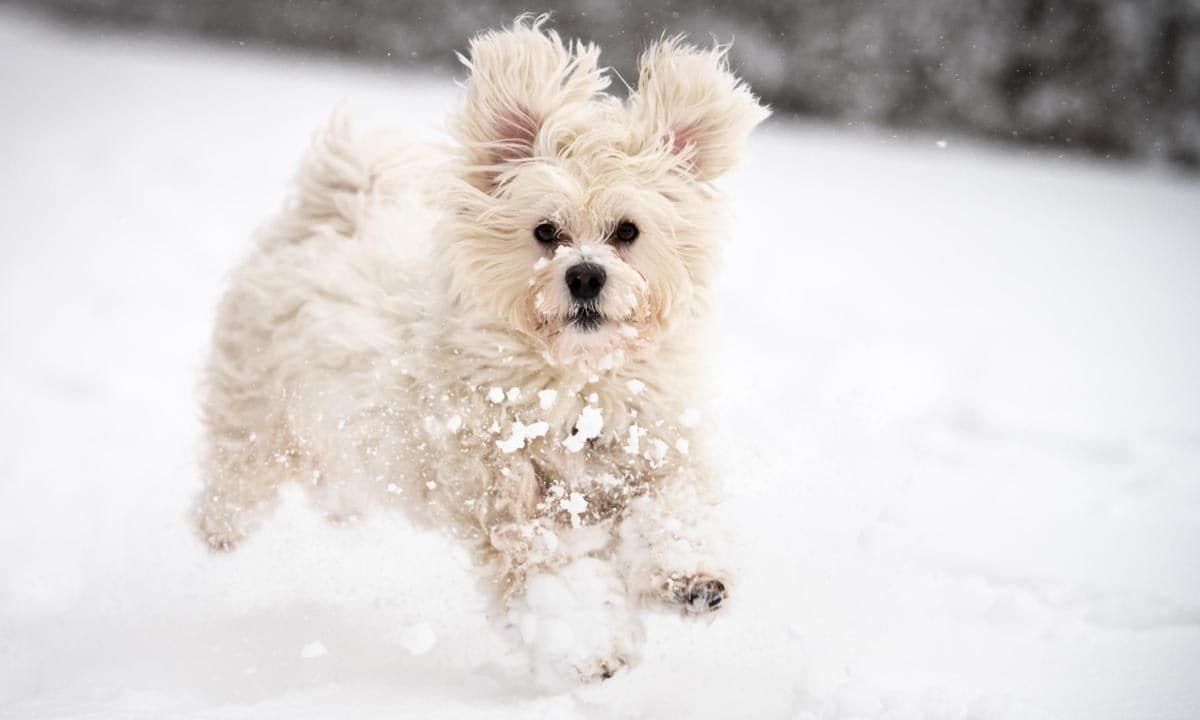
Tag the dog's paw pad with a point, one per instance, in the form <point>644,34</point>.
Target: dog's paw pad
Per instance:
<point>706,596</point>
<point>700,595</point>
<point>601,669</point>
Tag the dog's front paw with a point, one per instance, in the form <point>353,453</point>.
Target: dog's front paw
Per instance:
<point>576,625</point>
<point>697,594</point>
<point>599,668</point>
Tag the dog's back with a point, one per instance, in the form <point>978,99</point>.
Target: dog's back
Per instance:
<point>324,299</point>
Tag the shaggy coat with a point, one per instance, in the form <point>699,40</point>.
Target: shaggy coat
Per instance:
<point>404,333</point>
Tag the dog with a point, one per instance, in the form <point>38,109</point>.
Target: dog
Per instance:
<point>504,337</point>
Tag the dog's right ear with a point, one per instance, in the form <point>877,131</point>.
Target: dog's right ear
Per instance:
<point>689,104</point>
<point>520,79</point>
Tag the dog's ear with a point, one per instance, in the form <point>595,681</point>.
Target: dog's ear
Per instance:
<point>689,103</point>
<point>521,78</point>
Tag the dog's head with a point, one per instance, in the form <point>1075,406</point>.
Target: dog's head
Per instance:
<point>583,221</point>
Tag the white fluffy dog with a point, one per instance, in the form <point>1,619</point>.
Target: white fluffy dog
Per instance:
<point>503,338</point>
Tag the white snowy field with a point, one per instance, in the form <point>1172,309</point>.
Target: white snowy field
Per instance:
<point>959,390</point>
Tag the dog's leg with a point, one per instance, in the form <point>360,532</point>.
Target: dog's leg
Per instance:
<point>248,449</point>
<point>551,585</point>
<point>575,622</point>
<point>241,488</point>
<point>671,547</point>
<point>351,458</point>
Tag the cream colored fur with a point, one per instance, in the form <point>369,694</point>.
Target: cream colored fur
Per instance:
<point>398,337</point>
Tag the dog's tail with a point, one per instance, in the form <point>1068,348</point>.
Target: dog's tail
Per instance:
<point>343,176</point>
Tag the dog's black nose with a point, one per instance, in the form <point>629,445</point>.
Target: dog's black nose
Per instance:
<point>585,280</point>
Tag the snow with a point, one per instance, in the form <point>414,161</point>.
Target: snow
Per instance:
<point>536,430</point>
<point>515,442</point>
<point>575,505</point>
<point>418,639</point>
<point>657,452</point>
<point>588,426</point>
<point>632,440</point>
<point>313,649</point>
<point>572,617</point>
<point>956,394</point>
<point>547,398</point>
<point>521,434</point>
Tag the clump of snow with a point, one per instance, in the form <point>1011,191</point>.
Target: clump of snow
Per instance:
<point>657,452</point>
<point>314,649</point>
<point>514,443</point>
<point>574,443</point>
<point>681,446</point>
<point>689,418</point>
<point>521,434</point>
<point>496,395</point>
<point>454,423</point>
<point>588,426</point>
<point>547,398</point>
<point>513,394</point>
<point>633,439</point>
<point>575,504</point>
<point>572,619</point>
<point>635,386</point>
<point>418,638</point>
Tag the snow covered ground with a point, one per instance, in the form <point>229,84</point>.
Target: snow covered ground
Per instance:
<point>959,390</point>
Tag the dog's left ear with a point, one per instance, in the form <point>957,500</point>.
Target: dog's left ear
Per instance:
<point>522,79</point>
<point>689,103</point>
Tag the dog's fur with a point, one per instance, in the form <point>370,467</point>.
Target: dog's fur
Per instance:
<point>398,335</point>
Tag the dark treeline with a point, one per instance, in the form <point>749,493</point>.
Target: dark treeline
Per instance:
<point>1119,78</point>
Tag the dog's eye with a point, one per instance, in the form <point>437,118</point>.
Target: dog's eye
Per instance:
<point>545,233</point>
<point>626,232</point>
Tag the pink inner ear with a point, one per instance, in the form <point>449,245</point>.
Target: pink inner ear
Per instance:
<point>682,136</point>
<point>515,132</point>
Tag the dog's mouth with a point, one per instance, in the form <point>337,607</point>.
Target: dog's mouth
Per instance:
<point>586,319</point>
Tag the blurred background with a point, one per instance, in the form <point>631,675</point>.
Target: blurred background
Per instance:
<point>1113,78</point>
